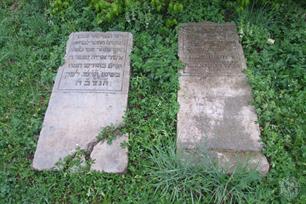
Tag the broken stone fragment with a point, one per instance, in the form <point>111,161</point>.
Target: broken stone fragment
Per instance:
<point>110,157</point>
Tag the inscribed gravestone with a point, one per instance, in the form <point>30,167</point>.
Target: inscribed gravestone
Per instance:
<point>214,97</point>
<point>90,92</point>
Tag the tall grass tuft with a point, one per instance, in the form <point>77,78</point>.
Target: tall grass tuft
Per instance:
<point>203,182</point>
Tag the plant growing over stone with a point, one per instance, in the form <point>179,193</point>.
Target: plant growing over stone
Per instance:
<point>109,133</point>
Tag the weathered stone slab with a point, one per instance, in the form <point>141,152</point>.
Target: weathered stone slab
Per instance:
<point>214,96</point>
<point>90,92</point>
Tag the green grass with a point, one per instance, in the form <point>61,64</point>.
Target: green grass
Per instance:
<point>32,47</point>
<point>204,182</point>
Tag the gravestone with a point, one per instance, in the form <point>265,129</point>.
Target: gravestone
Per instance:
<point>90,92</point>
<point>215,115</point>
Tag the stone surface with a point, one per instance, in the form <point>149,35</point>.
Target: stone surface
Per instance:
<point>111,158</point>
<point>252,160</point>
<point>214,96</point>
<point>90,92</point>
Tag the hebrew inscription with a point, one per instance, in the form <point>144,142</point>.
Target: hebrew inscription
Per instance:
<point>90,93</point>
<point>207,49</point>
<point>214,97</point>
<point>95,62</point>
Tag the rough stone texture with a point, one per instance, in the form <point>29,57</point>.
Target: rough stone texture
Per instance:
<point>252,160</point>
<point>90,92</point>
<point>110,158</point>
<point>214,96</point>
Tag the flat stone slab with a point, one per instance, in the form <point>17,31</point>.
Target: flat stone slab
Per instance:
<point>90,92</point>
<point>214,96</point>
